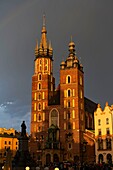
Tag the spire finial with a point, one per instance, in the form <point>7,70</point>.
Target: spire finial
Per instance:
<point>44,20</point>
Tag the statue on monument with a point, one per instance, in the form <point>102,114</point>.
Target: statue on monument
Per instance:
<point>23,129</point>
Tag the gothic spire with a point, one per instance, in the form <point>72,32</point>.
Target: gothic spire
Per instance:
<point>44,48</point>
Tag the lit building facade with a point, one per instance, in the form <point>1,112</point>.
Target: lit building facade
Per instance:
<point>103,134</point>
<point>8,141</point>
<point>57,115</point>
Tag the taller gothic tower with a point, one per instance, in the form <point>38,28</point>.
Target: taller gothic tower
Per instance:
<point>58,115</point>
<point>43,82</point>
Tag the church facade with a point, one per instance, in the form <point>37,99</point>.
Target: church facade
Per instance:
<point>59,116</point>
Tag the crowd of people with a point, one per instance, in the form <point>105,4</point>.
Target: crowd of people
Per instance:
<point>74,166</point>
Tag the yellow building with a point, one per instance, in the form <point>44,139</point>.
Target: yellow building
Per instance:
<point>103,134</point>
<point>8,141</point>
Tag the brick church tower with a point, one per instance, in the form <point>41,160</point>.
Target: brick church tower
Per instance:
<point>43,83</point>
<point>57,115</point>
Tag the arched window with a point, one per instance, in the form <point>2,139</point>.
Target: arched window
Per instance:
<point>73,103</point>
<point>39,96</point>
<point>64,126</point>
<point>68,79</point>
<point>40,61</point>
<point>39,86</point>
<point>69,146</point>
<point>46,65</point>
<point>35,96</point>
<point>39,117</point>
<point>108,143</point>
<point>100,144</point>
<point>81,95</point>
<point>46,61</point>
<point>69,115</point>
<point>35,117</point>
<point>73,125</point>
<point>73,113</point>
<point>64,114</point>
<point>39,77</point>
<point>39,106</point>
<point>69,125</point>
<point>107,131</point>
<point>80,80</point>
<point>69,93</point>
<point>109,158</point>
<point>54,117</point>
<point>68,103</point>
<point>100,158</point>
<point>34,106</point>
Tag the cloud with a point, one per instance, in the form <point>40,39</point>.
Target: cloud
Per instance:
<point>12,115</point>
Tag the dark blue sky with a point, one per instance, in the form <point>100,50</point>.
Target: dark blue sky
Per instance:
<point>89,22</point>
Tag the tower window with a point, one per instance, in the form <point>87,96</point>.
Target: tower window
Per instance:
<point>43,116</point>
<point>39,106</point>
<point>40,77</point>
<point>46,68</point>
<point>64,103</point>
<point>46,61</point>
<point>39,129</point>
<point>73,114</point>
<point>39,86</point>
<point>69,146</point>
<point>39,117</point>
<point>35,117</point>
<point>64,126</point>
<point>43,95</point>
<point>73,92</point>
<point>80,80</point>
<point>40,61</point>
<point>69,115</point>
<point>34,96</point>
<point>69,125</point>
<point>68,103</point>
<point>69,93</point>
<point>39,96</point>
<point>73,103</point>
<point>64,114</point>
<point>40,68</point>
<point>68,79</point>
<point>34,106</point>
<point>73,125</point>
<point>81,95</point>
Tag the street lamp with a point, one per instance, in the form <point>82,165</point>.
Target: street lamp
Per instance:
<point>56,168</point>
<point>27,168</point>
